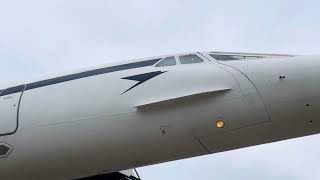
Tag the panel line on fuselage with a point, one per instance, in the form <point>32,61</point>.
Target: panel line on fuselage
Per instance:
<point>18,108</point>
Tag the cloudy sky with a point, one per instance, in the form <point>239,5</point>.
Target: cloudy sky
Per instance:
<point>39,37</point>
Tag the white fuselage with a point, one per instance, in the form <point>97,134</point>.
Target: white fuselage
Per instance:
<point>136,114</point>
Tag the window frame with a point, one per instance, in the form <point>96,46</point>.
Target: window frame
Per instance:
<point>244,57</point>
<point>175,58</point>
<point>196,54</point>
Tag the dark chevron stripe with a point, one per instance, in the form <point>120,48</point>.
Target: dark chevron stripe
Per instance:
<point>80,75</point>
<point>141,78</point>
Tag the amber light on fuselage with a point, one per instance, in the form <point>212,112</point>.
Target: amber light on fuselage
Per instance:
<point>220,124</point>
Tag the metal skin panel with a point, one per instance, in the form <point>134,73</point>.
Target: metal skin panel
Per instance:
<point>290,92</point>
<point>140,116</point>
<point>8,113</point>
<point>239,114</point>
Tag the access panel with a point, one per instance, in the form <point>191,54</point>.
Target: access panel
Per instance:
<point>9,103</point>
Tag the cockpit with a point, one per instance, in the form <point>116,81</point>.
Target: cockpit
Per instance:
<point>214,56</point>
<point>183,59</point>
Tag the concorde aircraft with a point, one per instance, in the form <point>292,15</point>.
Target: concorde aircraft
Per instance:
<point>155,110</point>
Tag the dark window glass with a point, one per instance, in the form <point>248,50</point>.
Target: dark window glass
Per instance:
<point>225,57</point>
<point>168,61</point>
<point>221,57</point>
<point>190,59</point>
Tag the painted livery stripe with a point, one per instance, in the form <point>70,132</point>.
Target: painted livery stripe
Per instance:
<point>141,78</point>
<point>80,75</point>
<point>12,90</point>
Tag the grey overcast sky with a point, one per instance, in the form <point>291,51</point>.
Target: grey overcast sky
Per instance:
<point>40,37</point>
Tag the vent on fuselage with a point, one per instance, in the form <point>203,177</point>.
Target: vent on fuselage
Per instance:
<point>4,150</point>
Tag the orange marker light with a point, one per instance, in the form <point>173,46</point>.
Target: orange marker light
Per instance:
<point>220,124</point>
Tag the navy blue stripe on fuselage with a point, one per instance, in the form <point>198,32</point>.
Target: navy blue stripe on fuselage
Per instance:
<point>80,75</point>
<point>12,90</point>
<point>141,78</point>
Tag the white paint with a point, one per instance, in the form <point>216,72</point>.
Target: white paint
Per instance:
<point>89,125</point>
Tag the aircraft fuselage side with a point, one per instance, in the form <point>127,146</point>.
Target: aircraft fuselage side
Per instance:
<point>136,114</point>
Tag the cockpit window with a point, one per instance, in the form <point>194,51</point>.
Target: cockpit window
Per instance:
<point>225,57</point>
<point>221,57</point>
<point>168,61</point>
<point>190,59</point>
